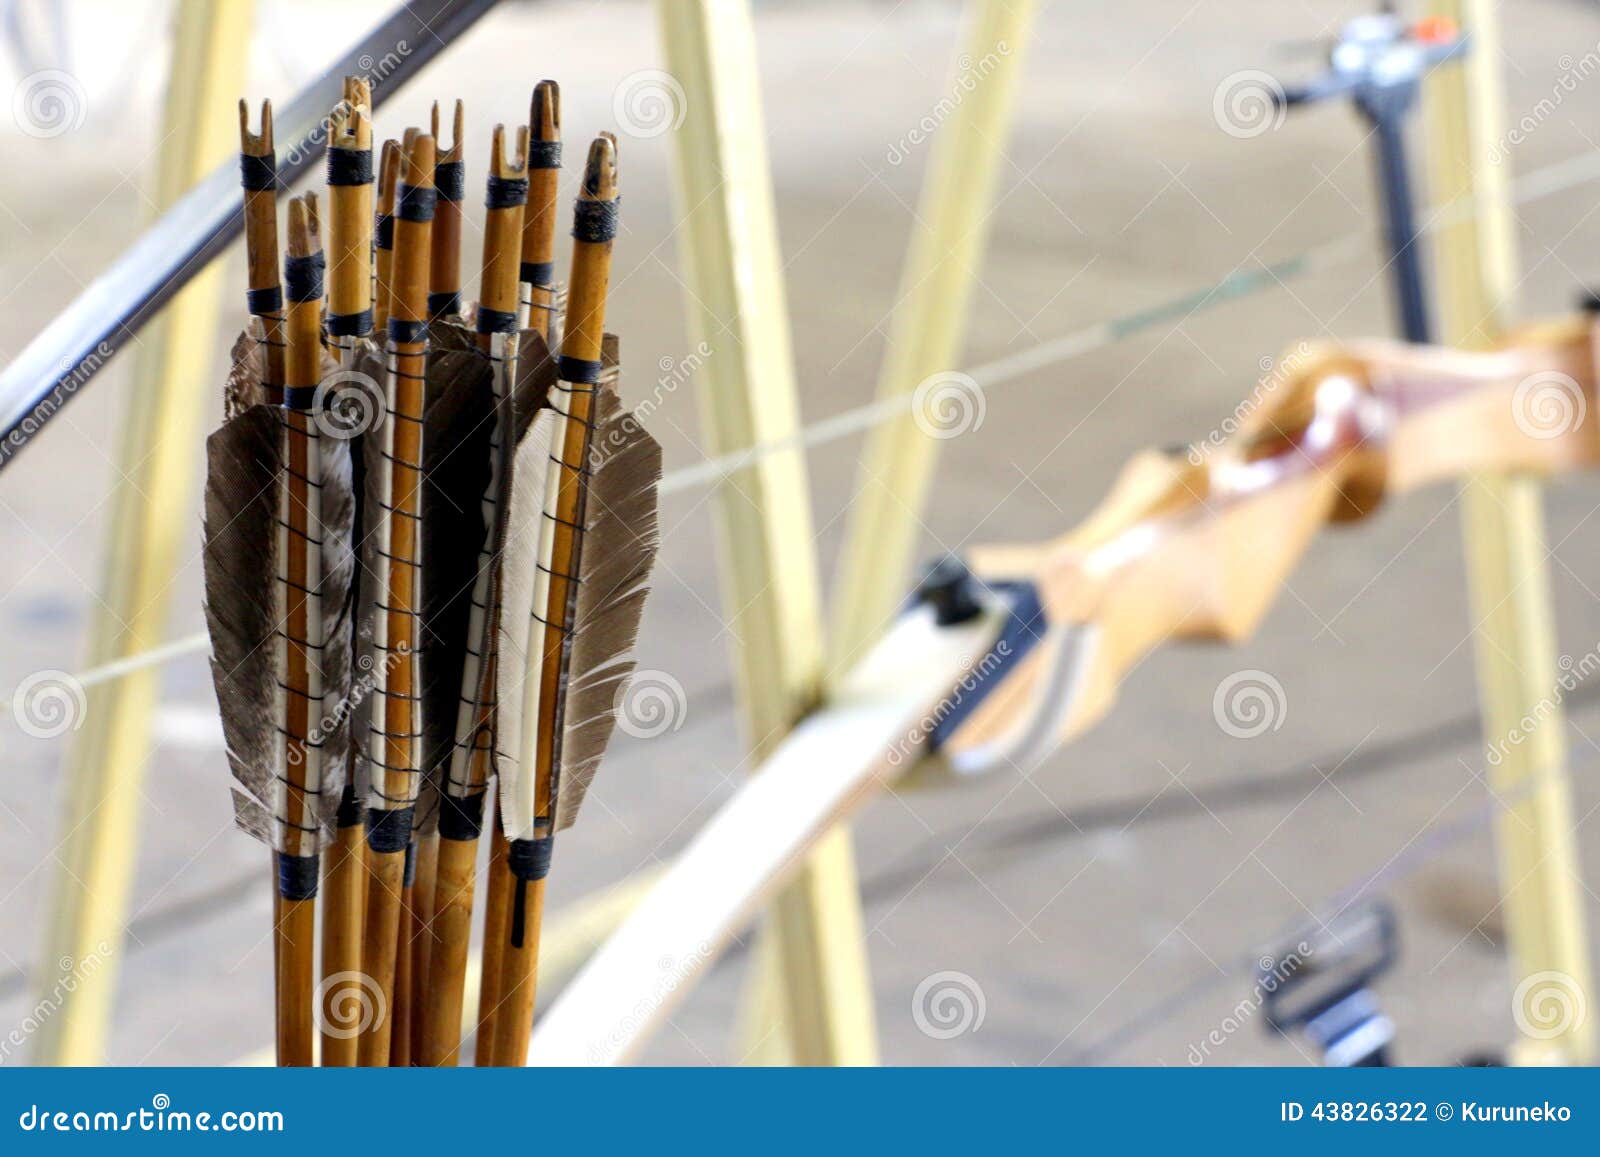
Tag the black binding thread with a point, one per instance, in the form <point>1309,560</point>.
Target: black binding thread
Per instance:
<point>540,273</point>
<point>264,301</point>
<point>505,192</point>
<point>258,174</point>
<point>528,862</point>
<point>450,178</point>
<point>389,831</point>
<point>416,203</point>
<point>544,154</point>
<point>383,231</point>
<point>403,332</point>
<point>496,320</point>
<point>595,221</point>
<point>349,167</point>
<point>297,876</point>
<point>579,370</point>
<point>461,817</point>
<point>444,304</point>
<point>303,277</point>
<point>350,324</point>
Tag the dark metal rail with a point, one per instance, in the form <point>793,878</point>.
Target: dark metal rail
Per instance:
<point>67,353</point>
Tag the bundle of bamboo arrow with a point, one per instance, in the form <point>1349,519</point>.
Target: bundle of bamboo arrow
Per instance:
<point>429,529</point>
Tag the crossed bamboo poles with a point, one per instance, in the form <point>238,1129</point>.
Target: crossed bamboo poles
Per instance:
<point>397,906</point>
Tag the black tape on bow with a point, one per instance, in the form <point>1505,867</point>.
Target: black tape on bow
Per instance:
<point>450,178</point>
<point>349,166</point>
<point>595,221</point>
<point>268,300</point>
<point>461,819</point>
<point>444,304</point>
<point>578,370</point>
<point>544,154</point>
<point>416,202</point>
<point>496,320</point>
<point>302,278</point>
<point>299,397</point>
<point>389,831</point>
<point>297,877</point>
<point>258,174</point>
<point>540,273</point>
<point>405,332</point>
<point>505,192</point>
<point>383,231</point>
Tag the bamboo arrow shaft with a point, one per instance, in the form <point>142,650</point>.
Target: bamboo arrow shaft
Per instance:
<point>537,273</point>
<point>299,539</point>
<point>583,336</point>
<point>350,276</point>
<point>258,170</point>
<point>397,732</point>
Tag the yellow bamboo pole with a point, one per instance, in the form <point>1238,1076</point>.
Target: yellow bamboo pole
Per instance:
<point>1503,525</point>
<point>971,125</point>
<point>151,513</point>
<point>733,271</point>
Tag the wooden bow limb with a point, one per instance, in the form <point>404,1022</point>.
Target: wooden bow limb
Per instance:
<point>1189,544</point>
<point>827,767</point>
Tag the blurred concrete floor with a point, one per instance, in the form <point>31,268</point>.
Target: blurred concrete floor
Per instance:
<point>1103,905</point>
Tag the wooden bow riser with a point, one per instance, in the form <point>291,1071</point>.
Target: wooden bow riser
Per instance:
<point>1197,544</point>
